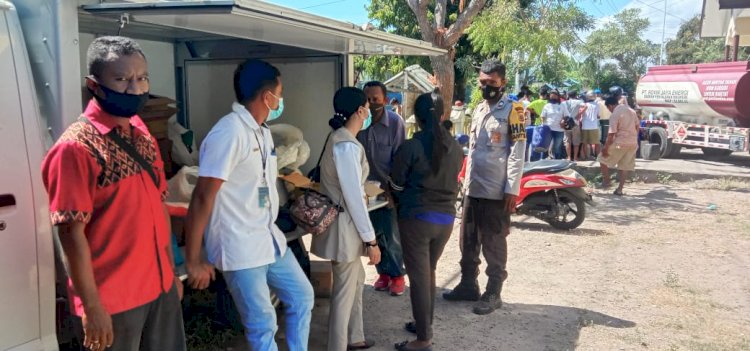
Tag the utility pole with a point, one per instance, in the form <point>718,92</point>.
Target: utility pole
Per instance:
<point>662,52</point>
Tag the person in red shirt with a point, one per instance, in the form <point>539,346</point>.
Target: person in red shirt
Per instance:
<point>106,185</point>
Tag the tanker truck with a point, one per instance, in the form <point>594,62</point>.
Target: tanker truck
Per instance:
<point>704,106</point>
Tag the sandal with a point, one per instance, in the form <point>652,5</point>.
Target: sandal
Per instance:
<point>618,192</point>
<point>368,344</point>
<point>401,346</point>
<point>411,327</point>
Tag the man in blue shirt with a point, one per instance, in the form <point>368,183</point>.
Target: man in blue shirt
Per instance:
<point>381,141</point>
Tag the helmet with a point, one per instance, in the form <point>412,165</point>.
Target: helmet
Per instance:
<point>597,91</point>
<point>462,139</point>
<point>615,90</point>
<point>590,95</point>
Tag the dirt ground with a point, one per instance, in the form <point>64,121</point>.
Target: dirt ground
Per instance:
<point>666,267</point>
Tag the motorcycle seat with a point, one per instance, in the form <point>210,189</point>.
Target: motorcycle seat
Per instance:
<point>546,166</point>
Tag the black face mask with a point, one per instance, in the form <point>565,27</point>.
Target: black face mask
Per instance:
<point>491,93</point>
<point>554,101</point>
<point>120,104</point>
<point>375,108</point>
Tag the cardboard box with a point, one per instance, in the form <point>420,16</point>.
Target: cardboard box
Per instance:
<point>298,180</point>
<point>321,278</point>
<point>301,182</point>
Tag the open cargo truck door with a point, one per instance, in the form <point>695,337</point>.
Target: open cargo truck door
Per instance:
<point>210,38</point>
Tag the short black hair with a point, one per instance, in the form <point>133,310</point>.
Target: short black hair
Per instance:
<point>375,83</point>
<point>447,124</point>
<point>572,94</point>
<point>543,91</point>
<point>490,66</point>
<point>521,94</point>
<point>107,49</point>
<point>611,101</point>
<point>252,77</point>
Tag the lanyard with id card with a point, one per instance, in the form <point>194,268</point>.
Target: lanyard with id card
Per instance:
<point>264,193</point>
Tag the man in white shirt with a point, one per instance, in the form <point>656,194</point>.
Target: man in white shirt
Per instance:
<point>590,130</point>
<point>573,136</point>
<point>235,203</point>
<point>552,115</point>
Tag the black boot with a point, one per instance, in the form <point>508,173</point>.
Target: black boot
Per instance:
<point>490,300</point>
<point>466,290</point>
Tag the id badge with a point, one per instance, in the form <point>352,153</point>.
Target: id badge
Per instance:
<point>496,136</point>
<point>264,200</point>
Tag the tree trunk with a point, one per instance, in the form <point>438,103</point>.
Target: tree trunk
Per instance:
<point>442,67</point>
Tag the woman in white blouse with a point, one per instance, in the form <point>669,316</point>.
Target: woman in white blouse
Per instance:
<point>343,172</point>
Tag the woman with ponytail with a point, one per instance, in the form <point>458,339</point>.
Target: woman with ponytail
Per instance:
<point>423,178</point>
<point>343,172</point>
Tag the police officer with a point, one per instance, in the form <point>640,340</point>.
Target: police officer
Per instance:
<point>493,180</point>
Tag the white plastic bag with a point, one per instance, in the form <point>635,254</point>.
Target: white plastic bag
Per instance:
<point>180,153</point>
<point>183,183</point>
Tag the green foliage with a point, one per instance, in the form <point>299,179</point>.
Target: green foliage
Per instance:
<point>476,98</point>
<point>395,16</point>
<point>689,47</point>
<point>538,36</point>
<point>621,41</point>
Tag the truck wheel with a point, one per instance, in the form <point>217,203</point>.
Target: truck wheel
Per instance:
<point>673,150</point>
<point>658,135</point>
<point>715,153</point>
<point>650,151</point>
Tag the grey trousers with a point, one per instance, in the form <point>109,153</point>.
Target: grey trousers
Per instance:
<point>155,326</point>
<point>423,245</point>
<point>345,324</point>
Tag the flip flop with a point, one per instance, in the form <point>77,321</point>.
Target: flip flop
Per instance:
<point>411,327</point>
<point>368,344</point>
<point>401,346</point>
<point>618,192</point>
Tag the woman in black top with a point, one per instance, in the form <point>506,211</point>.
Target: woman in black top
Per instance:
<point>423,177</point>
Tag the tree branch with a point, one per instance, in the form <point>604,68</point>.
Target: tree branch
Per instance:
<point>457,29</point>
<point>419,7</point>
<point>440,10</point>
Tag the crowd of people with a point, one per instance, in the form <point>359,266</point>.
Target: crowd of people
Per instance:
<point>106,188</point>
<point>575,121</point>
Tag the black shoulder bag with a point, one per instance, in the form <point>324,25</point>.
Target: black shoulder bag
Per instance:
<point>132,152</point>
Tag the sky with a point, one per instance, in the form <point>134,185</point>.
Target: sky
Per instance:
<point>678,11</point>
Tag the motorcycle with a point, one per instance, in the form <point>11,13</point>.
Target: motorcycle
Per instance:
<point>552,191</point>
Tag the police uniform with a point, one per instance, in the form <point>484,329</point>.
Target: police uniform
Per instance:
<point>494,168</point>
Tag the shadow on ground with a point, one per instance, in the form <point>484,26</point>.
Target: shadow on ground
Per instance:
<point>543,227</point>
<point>516,326</point>
<point>636,206</point>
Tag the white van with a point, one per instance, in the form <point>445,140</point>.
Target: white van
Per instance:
<point>192,48</point>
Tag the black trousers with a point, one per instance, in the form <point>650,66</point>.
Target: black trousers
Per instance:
<point>423,245</point>
<point>156,325</point>
<point>485,226</point>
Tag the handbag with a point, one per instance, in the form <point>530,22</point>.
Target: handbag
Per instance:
<point>313,211</point>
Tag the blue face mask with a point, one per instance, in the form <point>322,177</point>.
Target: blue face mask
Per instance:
<point>368,121</point>
<point>274,114</point>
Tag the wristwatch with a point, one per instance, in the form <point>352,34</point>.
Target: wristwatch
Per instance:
<point>367,244</point>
